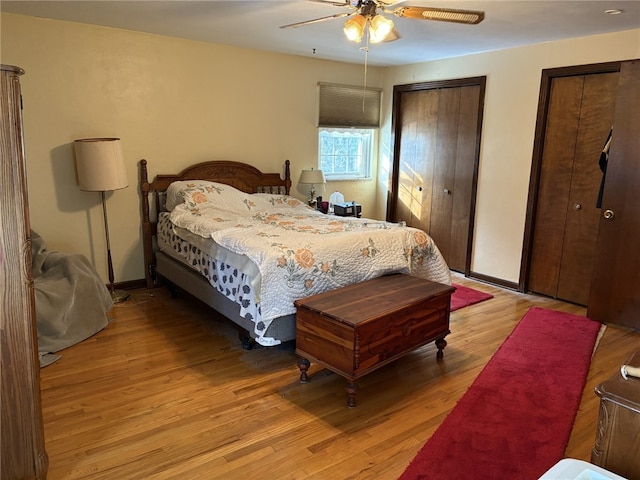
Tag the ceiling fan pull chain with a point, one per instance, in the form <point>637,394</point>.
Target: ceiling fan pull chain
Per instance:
<point>364,89</point>
<point>366,58</point>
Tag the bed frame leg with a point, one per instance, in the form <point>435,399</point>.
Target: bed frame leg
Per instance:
<point>173,290</point>
<point>248,342</point>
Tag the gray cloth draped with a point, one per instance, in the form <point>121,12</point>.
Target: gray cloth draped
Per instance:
<point>71,300</point>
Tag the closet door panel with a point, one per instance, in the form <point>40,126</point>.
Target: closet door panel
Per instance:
<point>583,216</point>
<point>444,171</point>
<point>426,163</point>
<point>408,152</point>
<point>463,177</point>
<point>417,157</point>
<point>555,183</point>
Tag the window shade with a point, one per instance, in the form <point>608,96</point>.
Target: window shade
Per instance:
<point>348,106</point>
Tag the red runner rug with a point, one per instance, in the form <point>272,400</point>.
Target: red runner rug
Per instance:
<point>515,420</point>
<point>465,296</point>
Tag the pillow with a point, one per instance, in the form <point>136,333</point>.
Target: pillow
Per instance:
<point>218,195</point>
<point>174,195</point>
<point>271,201</point>
<point>226,197</point>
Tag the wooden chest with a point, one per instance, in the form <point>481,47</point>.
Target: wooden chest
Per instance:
<point>359,328</point>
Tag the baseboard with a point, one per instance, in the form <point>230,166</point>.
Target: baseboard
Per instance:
<point>499,282</point>
<point>130,284</point>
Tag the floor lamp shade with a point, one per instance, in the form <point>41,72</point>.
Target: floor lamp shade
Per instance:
<point>100,164</point>
<point>101,168</point>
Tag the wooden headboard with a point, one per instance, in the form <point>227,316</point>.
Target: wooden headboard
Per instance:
<point>239,175</point>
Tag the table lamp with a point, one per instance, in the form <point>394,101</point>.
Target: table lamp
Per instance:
<point>312,177</point>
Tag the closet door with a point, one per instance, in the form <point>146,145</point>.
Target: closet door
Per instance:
<point>453,177</point>
<point>418,128</point>
<point>22,432</point>
<point>437,138</point>
<point>579,118</point>
<point>615,290</point>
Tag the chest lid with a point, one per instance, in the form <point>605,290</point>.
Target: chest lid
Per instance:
<point>376,298</point>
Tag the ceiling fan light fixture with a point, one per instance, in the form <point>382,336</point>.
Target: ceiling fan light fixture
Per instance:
<point>379,28</point>
<point>354,28</point>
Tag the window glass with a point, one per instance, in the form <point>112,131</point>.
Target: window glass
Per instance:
<point>345,153</point>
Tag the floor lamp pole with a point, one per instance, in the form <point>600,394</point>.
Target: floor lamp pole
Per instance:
<point>117,296</point>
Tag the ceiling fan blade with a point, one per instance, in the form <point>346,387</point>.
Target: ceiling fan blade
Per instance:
<point>388,3</point>
<point>344,3</point>
<point>317,20</point>
<point>470,17</point>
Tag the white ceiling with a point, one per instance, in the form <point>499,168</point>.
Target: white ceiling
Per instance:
<point>254,24</point>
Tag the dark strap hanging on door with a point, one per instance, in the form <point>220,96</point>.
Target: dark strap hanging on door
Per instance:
<point>604,160</point>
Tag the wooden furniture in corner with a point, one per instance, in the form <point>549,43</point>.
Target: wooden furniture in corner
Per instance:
<point>358,328</point>
<point>613,298</point>
<point>22,431</point>
<point>618,433</point>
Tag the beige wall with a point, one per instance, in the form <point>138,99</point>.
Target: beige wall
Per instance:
<point>511,101</point>
<point>174,102</point>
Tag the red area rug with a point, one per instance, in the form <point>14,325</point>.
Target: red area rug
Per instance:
<point>465,296</point>
<point>515,420</point>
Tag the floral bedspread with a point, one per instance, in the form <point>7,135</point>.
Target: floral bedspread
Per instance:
<point>302,252</point>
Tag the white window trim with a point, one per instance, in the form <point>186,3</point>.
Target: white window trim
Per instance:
<point>367,171</point>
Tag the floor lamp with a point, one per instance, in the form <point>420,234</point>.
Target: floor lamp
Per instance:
<point>101,168</point>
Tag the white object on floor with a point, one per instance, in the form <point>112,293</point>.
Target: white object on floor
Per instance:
<point>572,469</point>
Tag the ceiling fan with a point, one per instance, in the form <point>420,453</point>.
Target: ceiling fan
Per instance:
<point>364,16</point>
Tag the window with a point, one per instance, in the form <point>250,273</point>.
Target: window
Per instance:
<point>346,153</point>
<point>348,119</point>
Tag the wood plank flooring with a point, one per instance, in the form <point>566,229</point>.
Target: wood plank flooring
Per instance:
<point>167,392</point>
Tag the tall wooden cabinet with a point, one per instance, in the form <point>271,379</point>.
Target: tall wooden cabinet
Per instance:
<point>614,297</point>
<point>21,427</point>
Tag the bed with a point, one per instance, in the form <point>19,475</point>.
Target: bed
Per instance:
<point>234,237</point>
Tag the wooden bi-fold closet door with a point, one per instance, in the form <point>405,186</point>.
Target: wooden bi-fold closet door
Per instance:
<point>579,118</point>
<point>436,151</point>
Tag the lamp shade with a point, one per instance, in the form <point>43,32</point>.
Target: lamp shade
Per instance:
<point>312,176</point>
<point>380,28</point>
<point>100,164</point>
<point>354,28</point>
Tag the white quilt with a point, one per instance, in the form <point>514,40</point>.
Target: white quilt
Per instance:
<point>302,252</point>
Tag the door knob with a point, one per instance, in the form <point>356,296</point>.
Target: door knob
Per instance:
<point>608,214</point>
<point>447,191</point>
<point>577,206</point>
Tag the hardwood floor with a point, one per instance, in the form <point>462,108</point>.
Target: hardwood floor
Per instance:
<point>166,391</point>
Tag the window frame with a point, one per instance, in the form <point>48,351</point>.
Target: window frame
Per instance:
<point>365,168</point>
